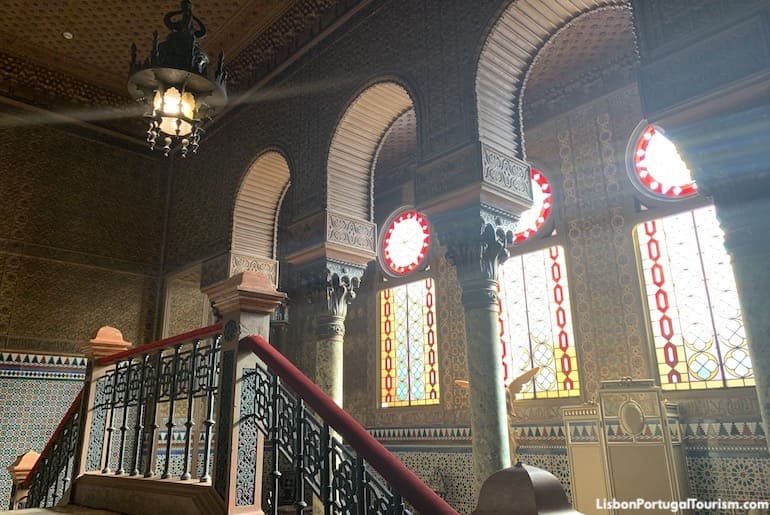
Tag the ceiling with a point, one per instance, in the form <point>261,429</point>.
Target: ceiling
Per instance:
<point>599,42</point>
<point>40,66</point>
<point>71,57</point>
<point>103,30</point>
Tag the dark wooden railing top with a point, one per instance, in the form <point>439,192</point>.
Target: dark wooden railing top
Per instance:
<point>406,482</point>
<point>73,409</point>
<point>196,334</point>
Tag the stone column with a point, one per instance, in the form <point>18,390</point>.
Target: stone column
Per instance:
<point>729,156</point>
<point>475,243</point>
<point>339,291</point>
<point>244,302</point>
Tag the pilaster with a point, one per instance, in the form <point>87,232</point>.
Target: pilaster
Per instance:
<point>245,303</point>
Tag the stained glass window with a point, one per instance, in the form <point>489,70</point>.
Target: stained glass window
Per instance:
<point>700,341</point>
<point>659,168</point>
<point>536,324</point>
<point>409,364</point>
<point>533,218</point>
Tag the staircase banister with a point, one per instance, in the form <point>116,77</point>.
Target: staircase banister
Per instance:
<point>195,334</point>
<point>406,482</point>
<point>74,408</point>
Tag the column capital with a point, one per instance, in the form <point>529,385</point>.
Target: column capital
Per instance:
<point>246,292</point>
<point>106,341</point>
<point>330,285</point>
<point>476,240</point>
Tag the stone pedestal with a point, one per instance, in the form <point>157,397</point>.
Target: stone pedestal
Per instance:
<point>19,472</point>
<point>245,303</point>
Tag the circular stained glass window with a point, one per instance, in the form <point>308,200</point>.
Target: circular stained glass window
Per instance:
<point>533,218</point>
<point>405,243</point>
<point>659,167</point>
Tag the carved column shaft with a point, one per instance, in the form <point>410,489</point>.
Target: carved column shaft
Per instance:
<point>330,330</point>
<point>330,286</point>
<point>475,240</point>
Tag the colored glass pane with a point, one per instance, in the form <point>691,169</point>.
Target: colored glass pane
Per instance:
<point>533,218</point>
<point>405,243</point>
<point>660,168</point>
<point>536,324</point>
<point>696,320</point>
<point>409,364</point>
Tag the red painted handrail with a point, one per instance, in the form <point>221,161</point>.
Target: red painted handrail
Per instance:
<point>406,482</point>
<point>74,408</point>
<point>161,344</point>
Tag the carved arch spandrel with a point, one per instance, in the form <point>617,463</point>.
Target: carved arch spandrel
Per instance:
<point>508,52</point>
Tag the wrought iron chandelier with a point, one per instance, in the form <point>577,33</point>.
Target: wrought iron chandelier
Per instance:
<point>175,83</point>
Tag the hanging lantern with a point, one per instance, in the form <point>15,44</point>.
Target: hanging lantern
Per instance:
<point>175,84</point>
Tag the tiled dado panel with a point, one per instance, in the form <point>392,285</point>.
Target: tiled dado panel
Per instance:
<point>441,456</point>
<point>35,392</point>
<point>54,306</point>
<point>726,460</point>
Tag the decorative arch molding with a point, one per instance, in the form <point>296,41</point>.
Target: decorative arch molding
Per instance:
<point>255,216</point>
<point>508,53</point>
<point>355,144</point>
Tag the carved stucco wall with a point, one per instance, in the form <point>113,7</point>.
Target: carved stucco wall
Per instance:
<point>80,229</point>
<point>583,155</point>
<point>303,107</point>
<point>185,306</point>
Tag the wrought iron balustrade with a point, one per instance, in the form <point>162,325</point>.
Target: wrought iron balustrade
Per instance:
<point>150,412</point>
<point>49,479</point>
<point>154,409</point>
<point>299,421</point>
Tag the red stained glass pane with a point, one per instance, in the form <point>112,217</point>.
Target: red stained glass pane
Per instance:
<point>536,324</point>
<point>533,218</point>
<point>410,361</point>
<point>659,168</point>
<point>692,299</point>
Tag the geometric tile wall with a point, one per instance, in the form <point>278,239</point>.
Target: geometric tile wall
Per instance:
<point>726,460</point>
<point>35,392</point>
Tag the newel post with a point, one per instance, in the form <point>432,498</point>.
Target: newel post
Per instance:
<point>91,426</point>
<point>245,303</point>
<point>19,472</point>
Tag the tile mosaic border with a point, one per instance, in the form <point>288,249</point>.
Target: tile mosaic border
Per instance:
<point>23,365</point>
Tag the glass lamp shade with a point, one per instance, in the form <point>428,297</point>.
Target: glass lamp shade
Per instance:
<point>175,111</point>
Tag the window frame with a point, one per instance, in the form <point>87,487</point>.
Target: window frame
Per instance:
<point>649,207</point>
<point>386,280</point>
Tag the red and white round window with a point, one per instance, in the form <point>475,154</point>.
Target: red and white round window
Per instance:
<point>405,243</point>
<point>533,218</point>
<point>659,168</point>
